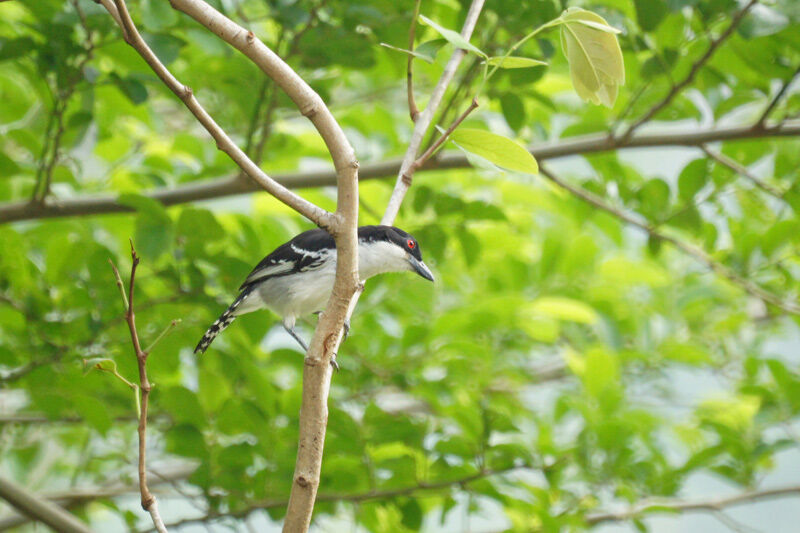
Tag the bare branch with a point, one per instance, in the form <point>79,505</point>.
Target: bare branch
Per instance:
<point>677,88</point>
<point>709,505</point>
<point>424,119</point>
<point>343,228</point>
<point>413,111</point>
<point>700,255</point>
<point>776,99</point>
<point>319,216</point>
<point>742,170</point>
<point>40,509</point>
<point>77,496</point>
<point>204,190</point>
<point>435,146</point>
<point>149,502</point>
<point>414,490</point>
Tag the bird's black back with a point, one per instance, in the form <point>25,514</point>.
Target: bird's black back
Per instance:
<point>313,241</point>
<point>309,249</point>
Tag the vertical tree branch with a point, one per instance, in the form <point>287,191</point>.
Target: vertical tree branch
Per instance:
<point>148,501</point>
<point>343,228</point>
<point>412,105</point>
<point>424,119</point>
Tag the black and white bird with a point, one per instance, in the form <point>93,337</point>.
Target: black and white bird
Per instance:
<point>297,278</point>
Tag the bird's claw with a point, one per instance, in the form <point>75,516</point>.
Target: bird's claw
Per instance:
<point>346,328</point>
<point>334,364</point>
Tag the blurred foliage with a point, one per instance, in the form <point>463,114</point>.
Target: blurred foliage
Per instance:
<point>558,350</point>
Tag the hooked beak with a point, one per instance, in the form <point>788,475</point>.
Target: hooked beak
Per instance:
<point>420,268</point>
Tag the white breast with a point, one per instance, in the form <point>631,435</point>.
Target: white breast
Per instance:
<point>307,292</point>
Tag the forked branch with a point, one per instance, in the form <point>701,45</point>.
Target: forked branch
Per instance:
<point>149,502</point>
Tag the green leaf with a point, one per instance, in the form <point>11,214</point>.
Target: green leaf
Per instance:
<point>594,56</point>
<point>158,15</point>
<point>7,166</point>
<point>452,37</point>
<point>130,87</point>
<point>13,48</point>
<point>166,47</point>
<point>563,308</point>
<point>154,228</point>
<point>650,13</point>
<point>497,149</point>
<point>513,110</point>
<point>430,48</point>
<point>416,54</point>
<point>692,178</point>
<point>515,62</point>
<point>654,197</point>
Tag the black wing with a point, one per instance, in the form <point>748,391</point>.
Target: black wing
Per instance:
<point>304,252</point>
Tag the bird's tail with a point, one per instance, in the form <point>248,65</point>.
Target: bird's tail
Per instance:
<point>221,323</point>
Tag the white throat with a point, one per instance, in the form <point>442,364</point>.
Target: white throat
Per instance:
<point>377,257</point>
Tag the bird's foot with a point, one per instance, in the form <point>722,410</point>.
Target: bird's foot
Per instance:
<point>346,328</point>
<point>334,364</point>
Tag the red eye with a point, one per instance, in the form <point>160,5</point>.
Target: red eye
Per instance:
<point>411,244</point>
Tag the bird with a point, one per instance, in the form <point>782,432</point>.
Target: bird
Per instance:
<point>297,278</point>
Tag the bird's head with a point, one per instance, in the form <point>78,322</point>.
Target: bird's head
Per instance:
<point>390,249</point>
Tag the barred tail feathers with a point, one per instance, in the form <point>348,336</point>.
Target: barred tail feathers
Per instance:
<point>221,323</point>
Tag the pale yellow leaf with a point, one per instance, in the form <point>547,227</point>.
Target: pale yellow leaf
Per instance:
<point>594,56</point>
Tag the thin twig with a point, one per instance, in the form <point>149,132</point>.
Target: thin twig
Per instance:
<point>148,501</point>
<point>776,99</point>
<point>435,146</point>
<point>166,331</point>
<point>55,129</point>
<point>319,216</point>
<point>426,117</point>
<point>413,111</point>
<point>742,170</point>
<point>709,505</point>
<point>232,185</point>
<point>700,255</point>
<point>378,494</point>
<point>695,69</point>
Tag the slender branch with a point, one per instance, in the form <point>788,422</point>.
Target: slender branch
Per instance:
<point>454,97</point>
<point>379,494</point>
<point>254,119</point>
<point>742,170</point>
<point>698,254</point>
<point>40,509</point>
<point>776,99</point>
<point>148,501</point>
<point>212,189</point>
<point>712,505</point>
<point>424,119</point>
<point>52,146</point>
<point>166,331</point>
<point>78,496</point>
<point>695,69</point>
<point>319,216</point>
<point>413,111</point>
<point>435,146</point>
<point>343,228</point>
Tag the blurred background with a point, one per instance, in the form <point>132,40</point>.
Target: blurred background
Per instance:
<point>629,363</point>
